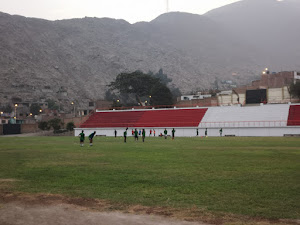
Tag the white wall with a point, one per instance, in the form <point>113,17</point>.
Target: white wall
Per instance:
<point>225,99</point>
<point>265,120</point>
<point>274,95</point>
<point>211,132</point>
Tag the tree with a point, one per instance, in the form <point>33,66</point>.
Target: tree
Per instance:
<point>175,92</point>
<point>141,85</point>
<point>216,84</point>
<point>7,109</point>
<point>164,79</point>
<point>109,96</point>
<point>44,125</point>
<point>295,89</point>
<point>70,126</point>
<point>35,109</point>
<point>52,104</point>
<point>56,124</point>
<point>161,95</point>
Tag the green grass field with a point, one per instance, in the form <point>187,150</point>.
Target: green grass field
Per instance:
<point>257,177</point>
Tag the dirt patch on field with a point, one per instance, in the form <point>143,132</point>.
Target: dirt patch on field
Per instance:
<point>13,214</point>
<point>48,209</point>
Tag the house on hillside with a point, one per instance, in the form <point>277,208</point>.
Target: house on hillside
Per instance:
<point>271,88</point>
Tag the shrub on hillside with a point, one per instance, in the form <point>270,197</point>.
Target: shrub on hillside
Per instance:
<point>44,125</point>
<point>70,126</point>
<point>56,124</point>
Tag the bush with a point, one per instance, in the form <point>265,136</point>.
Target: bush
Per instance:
<point>70,126</point>
<point>35,109</point>
<point>44,125</point>
<point>295,89</point>
<point>56,124</point>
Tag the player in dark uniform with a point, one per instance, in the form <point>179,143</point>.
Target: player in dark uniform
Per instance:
<point>91,136</point>
<point>125,134</point>
<point>173,134</point>
<point>81,136</point>
<point>143,135</point>
<point>136,137</point>
<point>165,133</point>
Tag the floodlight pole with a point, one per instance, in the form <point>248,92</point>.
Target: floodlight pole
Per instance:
<point>16,105</point>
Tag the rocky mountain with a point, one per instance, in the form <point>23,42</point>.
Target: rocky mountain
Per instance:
<point>270,26</point>
<point>75,59</point>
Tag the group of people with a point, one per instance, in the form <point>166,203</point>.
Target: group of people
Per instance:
<point>82,137</point>
<point>142,132</point>
<point>136,135</point>
<point>220,131</point>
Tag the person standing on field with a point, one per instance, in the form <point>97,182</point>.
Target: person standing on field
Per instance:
<point>154,132</point>
<point>143,135</point>
<point>165,133</point>
<point>197,132</point>
<point>205,132</point>
<point>150,133</point>
<point>221,130</point>
<point>91,136</point>
<point>81,137</point>
<point>173,134</point>
<point>115,133</point>
<point>125,135</point>
<point>136,137</point>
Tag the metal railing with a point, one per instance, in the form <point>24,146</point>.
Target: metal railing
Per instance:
<point>271,123</point>
<point>222,124</point>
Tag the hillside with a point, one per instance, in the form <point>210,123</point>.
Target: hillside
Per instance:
<point>75,59</point>
<point>271,26</point>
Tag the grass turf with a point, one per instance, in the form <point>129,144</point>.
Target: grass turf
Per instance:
<point>258,177</point>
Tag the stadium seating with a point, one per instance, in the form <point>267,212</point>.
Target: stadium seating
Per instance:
<point>277,115</point>
<point>251,116</point>
<point>294,116</point>
<point>171,118</point>
<point>146,118</point>
<point>113,119</point>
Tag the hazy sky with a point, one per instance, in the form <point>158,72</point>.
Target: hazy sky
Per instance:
<point>130,10</point>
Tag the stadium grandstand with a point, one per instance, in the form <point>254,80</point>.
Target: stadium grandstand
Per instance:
<point>259,120</point>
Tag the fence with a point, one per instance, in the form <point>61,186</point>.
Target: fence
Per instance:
<point>275,123</point>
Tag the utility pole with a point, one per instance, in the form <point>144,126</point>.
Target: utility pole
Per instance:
<point>167,5</point>
<point>15,117</point>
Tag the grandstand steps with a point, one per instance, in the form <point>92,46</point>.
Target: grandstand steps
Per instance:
<point>294,116</point>
<point>235,116</point>
<point>147,118</point>
<point>260,120</point>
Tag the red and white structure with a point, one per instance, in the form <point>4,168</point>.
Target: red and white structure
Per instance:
<point>261,120</point>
